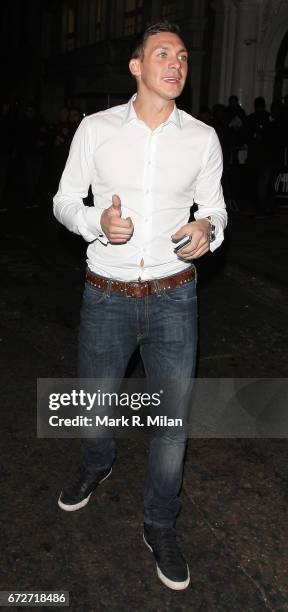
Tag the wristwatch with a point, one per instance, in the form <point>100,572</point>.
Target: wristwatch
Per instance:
<point>212,234</point>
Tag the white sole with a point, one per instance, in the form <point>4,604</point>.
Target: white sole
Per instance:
<point>176,586</point>
<point>83,503</point>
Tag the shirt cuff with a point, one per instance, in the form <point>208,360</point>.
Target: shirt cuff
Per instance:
<point>219,233</point>
<point>89,226</point>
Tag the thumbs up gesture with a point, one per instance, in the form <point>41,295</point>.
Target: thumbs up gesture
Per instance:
<point>117,230</point>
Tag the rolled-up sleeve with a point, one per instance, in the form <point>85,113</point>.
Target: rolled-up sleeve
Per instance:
<point>209,194</point>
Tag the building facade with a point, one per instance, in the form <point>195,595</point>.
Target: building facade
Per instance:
<point>76,52</point>
<point>87,46</point>
<point>250,50</point>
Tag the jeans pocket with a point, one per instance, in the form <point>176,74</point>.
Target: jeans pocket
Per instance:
<point>183,293</point>
<point>92,295</point>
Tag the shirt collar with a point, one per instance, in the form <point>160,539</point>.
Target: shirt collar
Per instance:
<point>130,114</point>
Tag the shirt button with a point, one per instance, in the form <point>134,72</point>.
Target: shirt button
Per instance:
<point>147,191</point>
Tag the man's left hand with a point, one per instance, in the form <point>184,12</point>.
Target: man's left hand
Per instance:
<point>199,245</point>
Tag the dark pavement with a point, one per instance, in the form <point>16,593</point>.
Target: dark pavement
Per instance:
<point>234,517</point>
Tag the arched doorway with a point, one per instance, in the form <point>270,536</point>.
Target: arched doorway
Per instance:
<point>281,76</point>
<point>274,30</point>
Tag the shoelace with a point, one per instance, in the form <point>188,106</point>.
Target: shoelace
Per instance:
<point>81,477</point>
<point>166,544</point>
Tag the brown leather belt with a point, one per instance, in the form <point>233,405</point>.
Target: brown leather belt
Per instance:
<point>138,289</point>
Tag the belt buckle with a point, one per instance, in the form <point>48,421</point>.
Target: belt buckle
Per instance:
<point>129,289</point>
<point>139,289</point>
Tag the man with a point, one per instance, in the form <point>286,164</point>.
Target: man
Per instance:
<point>146,162</point>
<point>259,155</point>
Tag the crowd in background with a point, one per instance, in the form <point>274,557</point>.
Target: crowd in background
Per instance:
<point>255,150</point>
<point>33,151</point>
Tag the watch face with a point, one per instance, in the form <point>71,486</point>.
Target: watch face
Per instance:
<point>212,234</point>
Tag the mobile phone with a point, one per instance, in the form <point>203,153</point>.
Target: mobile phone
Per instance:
<point>182,243</point>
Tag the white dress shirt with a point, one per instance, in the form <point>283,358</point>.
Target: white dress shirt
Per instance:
<point>158,174</point>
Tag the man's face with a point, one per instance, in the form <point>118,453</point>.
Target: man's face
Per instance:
<point>163,70</point>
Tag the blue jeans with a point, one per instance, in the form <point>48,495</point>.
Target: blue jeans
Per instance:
<point>164,326</point>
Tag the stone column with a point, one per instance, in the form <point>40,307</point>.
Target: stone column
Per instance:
<point>193,31</point>
<point>244,64</point>
<point>222,52</point>
<point>265,84</point>
<point>194,78</point>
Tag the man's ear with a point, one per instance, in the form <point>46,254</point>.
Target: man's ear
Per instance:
<point>134,66</point>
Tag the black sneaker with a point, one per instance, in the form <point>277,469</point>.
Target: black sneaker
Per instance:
<point>172,568</point>
<point>77,494</point>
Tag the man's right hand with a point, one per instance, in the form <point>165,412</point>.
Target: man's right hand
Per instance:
<point>117,230</point>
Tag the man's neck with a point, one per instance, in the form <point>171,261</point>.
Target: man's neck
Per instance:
<point>153,112</point>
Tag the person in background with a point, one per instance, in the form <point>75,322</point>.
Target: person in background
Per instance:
<point>258,158</point>
<point>235,117</point>
<point>32,142</point>
<point>7,149</point>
